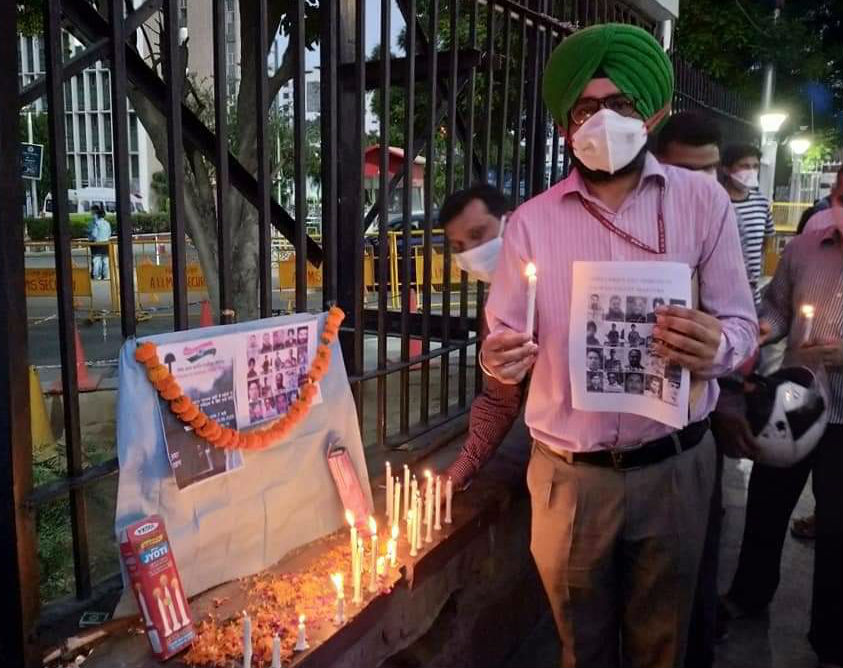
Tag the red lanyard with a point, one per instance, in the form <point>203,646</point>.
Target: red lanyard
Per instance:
<point>626,236</point>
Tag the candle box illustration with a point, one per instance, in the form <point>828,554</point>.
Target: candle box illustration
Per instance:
<point>154,578</point>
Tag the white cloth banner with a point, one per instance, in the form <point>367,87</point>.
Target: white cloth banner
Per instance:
<point>242,522</point>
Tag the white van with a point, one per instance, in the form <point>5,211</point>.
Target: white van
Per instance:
<point>83,199</point>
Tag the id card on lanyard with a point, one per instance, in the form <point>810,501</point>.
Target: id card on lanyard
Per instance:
<point>626,236</point>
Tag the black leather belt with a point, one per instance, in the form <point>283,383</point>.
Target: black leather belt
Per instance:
<point>644,455</point>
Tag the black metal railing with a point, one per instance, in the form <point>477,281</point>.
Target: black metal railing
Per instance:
<point>464,96</point>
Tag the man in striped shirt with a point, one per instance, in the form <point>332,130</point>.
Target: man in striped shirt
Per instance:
<point>741,163</point>
<point>619,501</point>
<point>810,272</point>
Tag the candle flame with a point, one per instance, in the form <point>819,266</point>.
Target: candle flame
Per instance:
<point>349,517</point>
<point>410,514</point>
<point>428,474</point>
<point>301,620</point>
<point>336,578</point>
<point>530,270</point>
<point>373,526</point>
<point>394,532</point>
<point>808,310</point>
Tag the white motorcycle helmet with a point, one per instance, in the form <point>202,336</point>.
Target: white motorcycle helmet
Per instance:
<point>788,414</point>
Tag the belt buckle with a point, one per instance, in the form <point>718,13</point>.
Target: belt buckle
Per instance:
<point>617,459</point>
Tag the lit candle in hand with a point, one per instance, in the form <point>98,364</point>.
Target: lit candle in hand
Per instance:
<point>339,619</point>
<point>373,583</point>
<point>530,273</point>
<point>808,317</point>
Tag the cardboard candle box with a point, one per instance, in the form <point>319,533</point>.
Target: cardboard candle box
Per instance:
<point>154,578</point>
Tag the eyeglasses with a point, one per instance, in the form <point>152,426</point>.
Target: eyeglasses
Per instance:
<point>586,107</point>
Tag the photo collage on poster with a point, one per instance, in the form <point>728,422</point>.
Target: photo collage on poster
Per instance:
<point>619,348</point>
<point>276,366</point>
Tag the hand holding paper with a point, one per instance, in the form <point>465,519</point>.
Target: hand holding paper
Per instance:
<point>687,337</point>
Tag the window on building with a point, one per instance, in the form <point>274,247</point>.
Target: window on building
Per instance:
<point>182,13</point>
<point>312,99</point>
<point>105,95</point>
<point>92,90</point>
<point>83,171</point>
<point>95,132</point>
<point>80,94</point>
<point>42,57</point>
<point>106,132</point>
<point>68,125</point>
<point>109,171</point>
<point>68,96</point>
<point>30,55</point>
<point>83,134</point>
<point>134,174</point>
<point>133,132</point>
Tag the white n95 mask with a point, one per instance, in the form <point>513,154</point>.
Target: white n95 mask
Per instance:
<point>745,178</point>
<point>608,141</point>
<point>480,261</point>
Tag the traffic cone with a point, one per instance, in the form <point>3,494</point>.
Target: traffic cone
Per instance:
<point>205,317</point>
<point>39,423</point>
<point>84,381</point>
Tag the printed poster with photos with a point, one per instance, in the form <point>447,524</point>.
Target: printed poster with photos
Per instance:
<point>613,366</point>
<point>240,380</point>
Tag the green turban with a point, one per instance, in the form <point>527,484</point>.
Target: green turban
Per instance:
<point>629,56</point>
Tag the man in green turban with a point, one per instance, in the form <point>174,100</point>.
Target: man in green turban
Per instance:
<point>620,482</point>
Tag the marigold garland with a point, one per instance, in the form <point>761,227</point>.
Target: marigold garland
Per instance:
<point>223,437</point>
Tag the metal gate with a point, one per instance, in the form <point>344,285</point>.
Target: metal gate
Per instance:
<point>464,95</point>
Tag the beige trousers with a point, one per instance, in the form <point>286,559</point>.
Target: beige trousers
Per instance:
<point>618,553</point>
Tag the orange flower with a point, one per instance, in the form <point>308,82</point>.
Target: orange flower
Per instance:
<point>163,384</point>
<point>157,373</point>
<point>214,431</point>
<point>145,351</point>
<point>225,438</point>
<point>172,391</point>
<point>199,421</point>
<point>308,392</point>
<point>180,405</point>
<point>190,414</point>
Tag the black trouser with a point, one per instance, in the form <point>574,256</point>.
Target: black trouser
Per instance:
<point>703,627</point>
<point>772,496</point>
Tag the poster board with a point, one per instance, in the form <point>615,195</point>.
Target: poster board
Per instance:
<point>242,522</point>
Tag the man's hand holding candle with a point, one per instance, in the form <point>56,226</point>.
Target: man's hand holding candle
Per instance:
<point>508,355</point>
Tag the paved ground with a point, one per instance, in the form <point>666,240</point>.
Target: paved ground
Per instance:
<point>776,640</point>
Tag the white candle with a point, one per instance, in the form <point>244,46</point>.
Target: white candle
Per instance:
<point>389,492</point>
<point>808,317</point>
<point>437,510</point>
<point>381,567</point>
<point>276,651</point>
<point>144,609</point>
<point>373,528</point>
<point>406,490</point>
<point>349,517</point>
<point>449,495</point>
<point>428,515</point>
<point>414,485</point>
<point>396,502</point>
<point>162,611</point>
<point>180,602</point>
<point>393,544</point>
<point>358,573</point>
<point>339,619</point>
<point>168,600</point>
<point>301,638</point>
<point>247,641</point>
<point>530,273</point>
<point>411,531</point>
<point>418,507</point>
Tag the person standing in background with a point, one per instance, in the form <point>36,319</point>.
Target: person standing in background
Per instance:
<point>99,232</point>
<point>741,163</point>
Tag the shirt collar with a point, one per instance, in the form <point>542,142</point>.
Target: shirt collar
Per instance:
<point>652,169</point>
<point>831,235</point>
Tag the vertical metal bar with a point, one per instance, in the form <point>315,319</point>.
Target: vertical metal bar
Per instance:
<point>261,47</point>
<point>221,161</point>
<point>481,317</point>
<point>406,239</point>
<point>18,560</point>
<point>330,156</point>
<point>120,147</point>
<point>468,148</point>
<point>516,140</point>
<point>539,111</point>
<point>64,282</point>
<point>351,103</point>
<point>507,40</point>
<point>174,69</point>
<point>531,109</point>
<point>450,166</point>
<point>299,155</point>
<point>429,181</point>
<point>383,218</point>
<point>490,87</point>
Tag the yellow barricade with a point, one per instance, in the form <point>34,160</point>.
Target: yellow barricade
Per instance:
<point>437,269</point>
<point>154,278</point>
<point>43,282</point>
<point>287,275</point>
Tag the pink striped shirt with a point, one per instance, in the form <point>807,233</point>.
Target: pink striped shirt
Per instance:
<point>553,230</point>
<point>820,220</point>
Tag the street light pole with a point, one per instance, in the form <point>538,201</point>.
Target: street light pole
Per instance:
<point>769,145</point>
